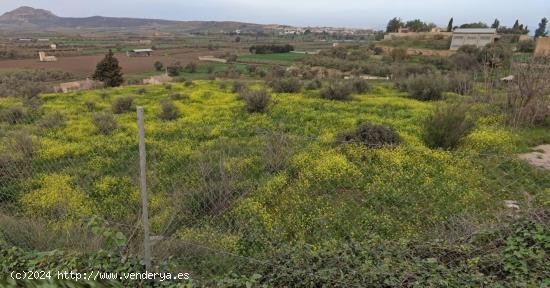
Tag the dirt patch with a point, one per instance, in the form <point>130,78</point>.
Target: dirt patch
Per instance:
<point>85,65</point>
<point>540,156</point>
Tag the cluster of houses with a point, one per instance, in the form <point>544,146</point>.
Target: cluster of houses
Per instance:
<point>289,30</point>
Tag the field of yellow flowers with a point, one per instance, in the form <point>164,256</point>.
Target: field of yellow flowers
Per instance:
<point>227,178</point>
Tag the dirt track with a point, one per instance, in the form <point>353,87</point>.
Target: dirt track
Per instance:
<point>85,65</point>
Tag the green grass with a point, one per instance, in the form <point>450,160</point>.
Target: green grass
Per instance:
<point>242,182</point>
<point>286,58</point>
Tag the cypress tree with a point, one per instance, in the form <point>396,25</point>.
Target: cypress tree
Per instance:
<point>541,31</point>
<point>496,24</point>
<point>109,71</point>
<point>450,26</point>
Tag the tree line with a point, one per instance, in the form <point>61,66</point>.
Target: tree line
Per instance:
<point>270,49</point>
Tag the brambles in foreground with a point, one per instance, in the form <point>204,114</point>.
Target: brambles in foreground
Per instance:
<point>447,125</point>
<point>168,111</point>
<point>105,123</point>
<point>122,104</point>
<point>257,101</point>
<point>371,135</point>
<point>337,90</point>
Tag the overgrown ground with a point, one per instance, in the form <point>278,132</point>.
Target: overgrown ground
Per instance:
<point>248,184</point>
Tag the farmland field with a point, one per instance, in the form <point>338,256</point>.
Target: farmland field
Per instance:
<point>85,65</point>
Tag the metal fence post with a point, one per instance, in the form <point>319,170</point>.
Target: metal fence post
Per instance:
<point>143,186</point>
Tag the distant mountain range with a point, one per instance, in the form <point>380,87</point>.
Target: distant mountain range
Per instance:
<point>24,18</point>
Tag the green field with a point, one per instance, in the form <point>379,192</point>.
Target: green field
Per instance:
<point>250,184</point>
<point>285,58</point>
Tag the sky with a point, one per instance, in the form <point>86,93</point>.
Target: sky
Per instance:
<point>337,13</point>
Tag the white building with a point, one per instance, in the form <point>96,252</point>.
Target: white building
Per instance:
<point>478,37</point>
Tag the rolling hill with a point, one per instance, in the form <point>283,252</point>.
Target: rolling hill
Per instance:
<point>25,18</point>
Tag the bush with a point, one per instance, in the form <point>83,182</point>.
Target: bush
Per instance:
<point>13,115</point>
<point>285,85</point>
<point>425,88</point>
<point>314,85</point>
<point>23,143</point>
<point>188,83</point>
<point>360,85</point>
<point>174,69</point>
<point>371,135</point>
<point>447,125</point>
<point>398,54</point>
<point>460,83</point>
<point>158,65</point>
<point>257,101</point>
<point>337,90</point>
<point>105,123</point>
<point>52,120</point>
<point>191,67</point>
<point>122,104</point>
<point>90,105</point>
<point>141,91</point>
<point>238,87</point>
<point>177,96</point>
<point>526,46</point>
<point>168,111</point>
<point>463,61</point>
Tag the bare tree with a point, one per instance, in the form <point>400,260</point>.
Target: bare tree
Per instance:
<point>528,97</point>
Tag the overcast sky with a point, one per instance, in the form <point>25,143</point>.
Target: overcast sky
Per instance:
<point>345,13</point>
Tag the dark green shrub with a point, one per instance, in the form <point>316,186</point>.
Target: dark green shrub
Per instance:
<point>371,135</point>
<point>425,88</point>
<point>158,65</point>
<point>12,115</point>
<point>52,120</point>
<point>191,67</point>
<point>257,101</point>
<point>188,83</point>
<point>174,69</point>
<point>141,91</point>
<point>285,85</point>
<point>337,90</point>
<point>168,111</point>
<point>360,85</point>
<point>122,104</point>
<point>105,123</point>
<point>447,125</point>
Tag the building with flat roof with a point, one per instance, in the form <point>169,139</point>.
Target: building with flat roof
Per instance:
<point>479,37</point>
<point>140,53</point>
<point>543,46</point>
